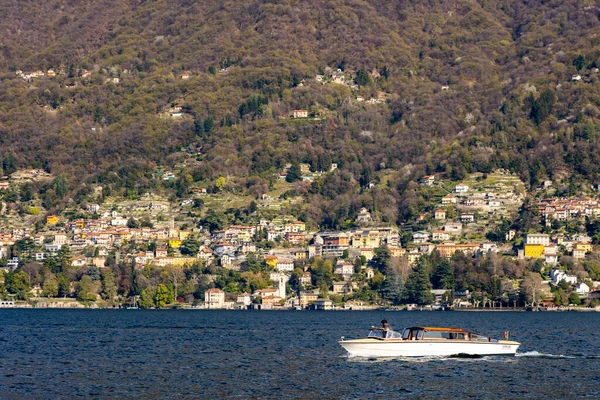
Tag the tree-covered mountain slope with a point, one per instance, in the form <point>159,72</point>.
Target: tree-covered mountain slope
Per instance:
<point>445,87</point>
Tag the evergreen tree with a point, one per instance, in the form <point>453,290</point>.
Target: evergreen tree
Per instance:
<point>109,288</point>
<point>64,286</point>
<point>251,263</point>
<point>393,289</point>
<point>294,173</point>
<point>418,286</point>
<point>385,73</point>
<point>542,107</point>
<point>362,78</point>
<point>443,277</point>
<point>382,258</point>
<point>208,125</point>
<point>198,127</point>
<point>190,246</point>
<point>9,163</point>
<point>579,62</point>
<point>60,186</point>
<point>132,223</point>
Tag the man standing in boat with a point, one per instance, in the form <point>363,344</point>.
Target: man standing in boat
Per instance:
<point>385,326</point>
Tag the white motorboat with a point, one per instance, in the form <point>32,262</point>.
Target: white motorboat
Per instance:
<point>423,341</point>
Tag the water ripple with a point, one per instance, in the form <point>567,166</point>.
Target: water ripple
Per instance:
<point>290,355</point>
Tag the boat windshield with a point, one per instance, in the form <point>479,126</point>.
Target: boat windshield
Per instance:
<point>479,338</point>
<point>377,333</point>
<point>384,334</point>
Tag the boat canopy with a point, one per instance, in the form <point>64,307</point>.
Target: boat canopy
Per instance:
<point>425,332</point>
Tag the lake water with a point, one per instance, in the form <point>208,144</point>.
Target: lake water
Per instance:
<point>51,354</point>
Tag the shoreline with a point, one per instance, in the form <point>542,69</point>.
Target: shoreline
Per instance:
<point>74,304</point>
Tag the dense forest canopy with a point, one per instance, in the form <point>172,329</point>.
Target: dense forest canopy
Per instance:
<point>457,87</point>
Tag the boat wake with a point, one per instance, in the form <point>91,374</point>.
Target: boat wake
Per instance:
<point>537,354</point>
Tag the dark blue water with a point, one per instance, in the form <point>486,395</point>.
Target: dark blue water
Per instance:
<point>226,354</point>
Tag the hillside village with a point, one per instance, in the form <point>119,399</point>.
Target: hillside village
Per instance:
<point>467,219</point>
<point>331,155</point>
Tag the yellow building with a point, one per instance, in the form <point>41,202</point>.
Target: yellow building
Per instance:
<point>367,252</point>
<point>183,261</point>
<point>447,250</point>
<point>245,236</point>
<point>367,239</point>
<point>396,251</point>
<point>183,235</point>
<point>578,254</point>
<point>174,243</point>
<point>52,220</point>
<point>300,254</point>
<point>534,250</point>
<point>271,261</point>
<point>586,247</point>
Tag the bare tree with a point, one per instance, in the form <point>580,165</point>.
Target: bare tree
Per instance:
<point>532,288</point>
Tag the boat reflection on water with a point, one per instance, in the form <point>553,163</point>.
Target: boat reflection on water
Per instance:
<point>426,341</point>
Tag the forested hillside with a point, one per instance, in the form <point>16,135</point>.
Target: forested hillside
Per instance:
<point>423,87</point>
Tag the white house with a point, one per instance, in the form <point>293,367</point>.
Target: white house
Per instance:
<point>306,279</point>
<point>558,275</point>
<point>461,189</point>
<point>440,214</point>
<point>363,216</point>
<point>300,114</point>
<point>467,218</point>
<point>13,263</point>
<point>285,264</point>
<point>551,254</point>
<point>453,227</point>
<point>244,300</point>
<point>420,237</point>
<point>119,221</point>
<point>440,235</point>
<point>345,269</point>
<point>537,238</point>
<point>214,298</point>
<point>428,180</point>
<point>582,289</point>
<point>449,199</point>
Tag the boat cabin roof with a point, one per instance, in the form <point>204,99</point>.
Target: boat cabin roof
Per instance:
<point>433,328</point>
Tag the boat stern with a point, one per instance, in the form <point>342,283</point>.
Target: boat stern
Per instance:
<point>509,347</point>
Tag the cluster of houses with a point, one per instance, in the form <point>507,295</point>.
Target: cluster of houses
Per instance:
<point>583,290</point>
<point>105,232</point>
<point>587,79</point>
<point>307,175</point>
<point>493,200</point>
<point>51,73</point>
<point>541,246</point>
<point>340,77</point>
<point>336,76</point>
<point>229,248</point>
<point>29,76</point>
<point>277,298</point>
<point>564,209</point>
